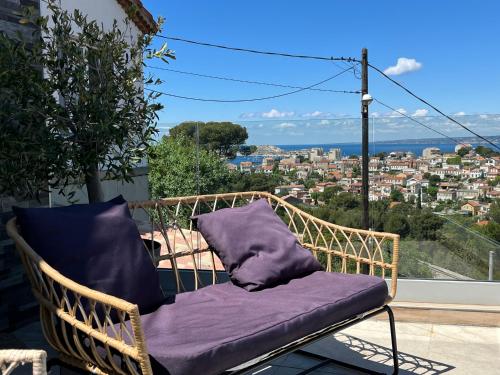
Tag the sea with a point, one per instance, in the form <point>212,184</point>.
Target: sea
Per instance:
<point>355,149</point>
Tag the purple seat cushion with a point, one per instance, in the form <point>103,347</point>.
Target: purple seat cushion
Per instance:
<point>255,245</point>
<point>96,245</point>
<point>221,326</point>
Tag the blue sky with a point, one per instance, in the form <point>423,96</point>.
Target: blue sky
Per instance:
<point>452,46</point>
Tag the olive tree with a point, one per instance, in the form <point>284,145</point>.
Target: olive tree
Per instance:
<point>101,120</point>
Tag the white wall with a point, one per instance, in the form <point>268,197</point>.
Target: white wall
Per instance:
<point>102,11</point>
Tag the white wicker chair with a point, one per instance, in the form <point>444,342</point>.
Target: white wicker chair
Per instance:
<point>12,358</point>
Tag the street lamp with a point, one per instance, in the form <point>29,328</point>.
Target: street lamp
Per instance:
<point>366,99</point>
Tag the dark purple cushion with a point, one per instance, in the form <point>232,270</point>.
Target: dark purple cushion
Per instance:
<point>221,326</point>
<point>255,245</point>
<point>96,245</point>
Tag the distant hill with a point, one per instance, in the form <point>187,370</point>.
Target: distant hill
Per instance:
<point>437,141</point>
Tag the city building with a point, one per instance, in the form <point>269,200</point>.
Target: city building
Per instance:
<point>430,152</point>
<point>335,154</point>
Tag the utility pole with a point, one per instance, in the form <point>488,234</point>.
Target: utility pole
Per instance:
<point>365,101</point>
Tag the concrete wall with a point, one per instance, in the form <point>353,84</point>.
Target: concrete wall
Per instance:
<point>136,191</point>
<point>448,292</point>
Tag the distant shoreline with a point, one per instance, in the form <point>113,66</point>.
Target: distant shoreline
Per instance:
<point>473,140</point>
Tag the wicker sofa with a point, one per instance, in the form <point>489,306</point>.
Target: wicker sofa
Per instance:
<point>120,345</point>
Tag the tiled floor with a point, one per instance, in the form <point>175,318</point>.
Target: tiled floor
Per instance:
<point>424,348</point>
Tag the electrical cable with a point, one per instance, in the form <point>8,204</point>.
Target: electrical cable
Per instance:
<point>418,122</point>
<point>348,59</point>
<point>250,99</point>
<point>433,107</point>
<point>251,82</point>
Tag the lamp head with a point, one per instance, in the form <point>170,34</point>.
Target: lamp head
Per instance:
<point>367,99</point>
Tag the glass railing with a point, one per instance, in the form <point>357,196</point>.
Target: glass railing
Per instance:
<point>460,252</point>
<point>438,196</point>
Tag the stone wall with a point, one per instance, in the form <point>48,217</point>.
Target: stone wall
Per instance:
<point>9,17</point>
<point>17,304</point>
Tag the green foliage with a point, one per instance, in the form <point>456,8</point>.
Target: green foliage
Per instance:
<point>173,169</point>
<point>463,151</point>
<point>432,191</point>
<point>397,223</point>
<point>346,201</point>
<point>356,171</point>
<point>424,225</point>
<point>434,180</point>
<point>491,230</point>
<point>254,182</point>
<point>29,151</point>
<point>330,192</point>
<point>486,152</point>
<point>494,182</point>
<point>456,160</point>
<point>382,155</point>
<point>247,150</point>
<point>412,260</point>
<point>224,138</point>
<point>101,120</point>
<point>397,196</point>
<point>494,212</point>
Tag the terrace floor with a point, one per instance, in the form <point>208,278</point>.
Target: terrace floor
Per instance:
<point>469,347</point>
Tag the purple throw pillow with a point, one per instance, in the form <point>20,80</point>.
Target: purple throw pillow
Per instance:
<point>255,245</point>
<point>97,245</point>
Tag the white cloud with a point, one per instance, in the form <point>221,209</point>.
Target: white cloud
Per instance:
<point>483,117</point>
<point>398,112</point>
<point>247,115</point>
<point>260,125</point>
<point>420,113</point>
<point>316,114</point>
<point>274,113</point>
<point>404,65</point>
<point>324,122</point>
<point>285,125</point>
<point>375,114</point>
<point>461,113</point>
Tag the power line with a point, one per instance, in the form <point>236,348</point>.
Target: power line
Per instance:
<point>251,99</point>
<point>348,59</point>
<point>418,122</point>
<point>344,59</point>
<point>433,107</point>
<point>248,81</point>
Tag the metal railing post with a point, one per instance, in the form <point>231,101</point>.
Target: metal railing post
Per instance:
<point>490,265</point>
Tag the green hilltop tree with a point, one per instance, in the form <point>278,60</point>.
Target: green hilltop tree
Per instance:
<point>224,138</point>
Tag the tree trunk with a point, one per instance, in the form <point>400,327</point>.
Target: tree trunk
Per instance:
<point>94,187</point>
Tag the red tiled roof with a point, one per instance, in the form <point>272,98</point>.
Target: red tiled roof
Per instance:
<point>139,15</point>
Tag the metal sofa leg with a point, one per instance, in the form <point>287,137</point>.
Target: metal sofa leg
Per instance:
<point>328,361</point>
<point>393,340</point>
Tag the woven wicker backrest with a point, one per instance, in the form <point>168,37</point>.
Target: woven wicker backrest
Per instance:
<point>82,336</point>
<point>340,249</point>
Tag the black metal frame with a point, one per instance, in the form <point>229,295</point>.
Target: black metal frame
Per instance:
<point>296,347</point>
